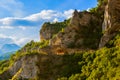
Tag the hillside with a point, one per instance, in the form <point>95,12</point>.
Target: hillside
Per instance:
<point>85,47</point>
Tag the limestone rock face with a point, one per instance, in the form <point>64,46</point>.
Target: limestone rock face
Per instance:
<point>83,32</point>
<point>111,22</point>
<point>80,33</point>
<point>35,67</point>
<point>46,32</point>
<point>49,30</point>
<point>24,68</point>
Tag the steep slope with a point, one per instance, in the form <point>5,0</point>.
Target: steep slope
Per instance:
<point>49,30</point>
<point>82,32</point>
<point>71,54</point>
<point>111,24</point>
<point>39,65</point>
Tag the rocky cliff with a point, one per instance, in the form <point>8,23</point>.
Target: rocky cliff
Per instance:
<point>111,24</point>
<point>83,31</point>
<point>69,48</point>
<point>49,30</point>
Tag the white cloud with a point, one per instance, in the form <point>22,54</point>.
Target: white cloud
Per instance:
<point>12,6</point>
<point>15,39</point>
<point>88,9</point>
<point>21,41</point>
<point>50,14</point>
<point>5,36</point>
<point>22,27</point>
<point>6,21</point>
<point>22,30</point>
<point>44,15</point>
<point>2,36</point>
<point>55,20</point>
<point>6,27</point>
<point>68,14</point>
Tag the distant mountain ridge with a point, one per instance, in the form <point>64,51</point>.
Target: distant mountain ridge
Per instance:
<point>4,41</point>
<point>7,50</point>
<point>85,48</point>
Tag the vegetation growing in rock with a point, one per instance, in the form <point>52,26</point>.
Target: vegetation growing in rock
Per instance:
<point>50,29</point>
<point>4,65</point>
<point>101,64</point>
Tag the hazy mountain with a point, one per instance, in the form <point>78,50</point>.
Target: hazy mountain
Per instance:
<point>5,41</point>
<point>0,52</point>
<point>5,56</point>
<point>85,48</point>
<point>9,48</point>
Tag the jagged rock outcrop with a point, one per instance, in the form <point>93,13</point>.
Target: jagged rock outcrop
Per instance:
<point>83,32</point>
<point>111,23</point>
<point>49,30</point>
<point>35,67</point>
<point>23,68</point>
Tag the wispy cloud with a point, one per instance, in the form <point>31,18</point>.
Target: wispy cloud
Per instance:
<point>37,19</point>
<point>5,39</point>
<point>6,27</point>
<point>44,14</point>
<point>22,30</point>
<point>50,14</point>
<point>55,20</point>
<point>68,14</point>
<point>13,7</point>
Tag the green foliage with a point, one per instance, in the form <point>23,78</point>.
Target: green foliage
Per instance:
<point>33,44</point>
<point>104,64</point>
<point>31,48</point>
<point>4,65</point>
<point>93,10</point>
<point>101,2</point>
<point>63,78</point>
<point>62,30</point>
<point>115,41</point>
<point>99,9</point>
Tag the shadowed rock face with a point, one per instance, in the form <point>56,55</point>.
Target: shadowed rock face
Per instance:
<point>49,30</point>
<point>79,34</point>
<point>23,68</point>
<point>111,23</point>
<point>81,31</point>
<point>29,67</point>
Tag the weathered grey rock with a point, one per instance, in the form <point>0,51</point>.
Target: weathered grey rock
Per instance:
<point>46,32</point>
<point>111,23</point>
<point>82,27</point>
<point>24,68</point>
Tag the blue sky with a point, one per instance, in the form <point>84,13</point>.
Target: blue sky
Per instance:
<point>20,20</point>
